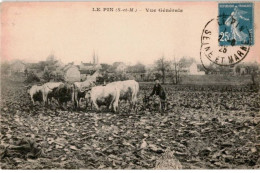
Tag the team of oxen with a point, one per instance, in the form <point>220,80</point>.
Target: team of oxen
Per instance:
<point>98,95</point>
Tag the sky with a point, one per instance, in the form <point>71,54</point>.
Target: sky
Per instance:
<point>30,31</point>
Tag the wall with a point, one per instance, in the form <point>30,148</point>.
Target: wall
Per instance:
<point>72,75</point>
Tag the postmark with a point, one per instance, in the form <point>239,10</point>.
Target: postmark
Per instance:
<point>220,55</point>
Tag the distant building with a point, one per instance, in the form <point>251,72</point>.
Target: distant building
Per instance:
<point>192,70</point>
<point>246,68</point>
<point>71,73</point>
<point>17,67</point>
<point>243,71</point>
<point>86,66</point>
<point>87,69</point>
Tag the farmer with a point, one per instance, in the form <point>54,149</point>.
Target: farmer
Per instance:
<point>159,91</point>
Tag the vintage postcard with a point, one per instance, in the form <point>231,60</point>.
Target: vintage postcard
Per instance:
<point>130,85</point>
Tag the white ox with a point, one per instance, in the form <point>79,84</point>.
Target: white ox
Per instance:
<point>35,90</point>
<point>48,88</point>
<point>128,91</point>
<point>104,95</point>
<point>80,88</point>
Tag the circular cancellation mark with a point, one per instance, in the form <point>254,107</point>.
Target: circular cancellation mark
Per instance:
<point>211,50</point>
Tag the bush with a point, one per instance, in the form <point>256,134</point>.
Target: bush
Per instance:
<point>32,78</point>
<point>47,75</point>
<point>53,76</point>
<point>58,77</point>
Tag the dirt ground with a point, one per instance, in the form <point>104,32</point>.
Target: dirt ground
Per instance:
<point>200,130</point>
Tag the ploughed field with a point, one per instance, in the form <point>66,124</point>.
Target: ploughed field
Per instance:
<point>204,128</point>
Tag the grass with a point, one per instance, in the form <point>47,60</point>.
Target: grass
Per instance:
<point>217,79</point>
<point>213,80</point>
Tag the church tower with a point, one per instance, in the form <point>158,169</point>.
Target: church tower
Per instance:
<point>94,57</point>
<point>97,61</point>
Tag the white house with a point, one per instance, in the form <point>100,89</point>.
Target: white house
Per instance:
<point>71,73</point>
<point>193,70</point>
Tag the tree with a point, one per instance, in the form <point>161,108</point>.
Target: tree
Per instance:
<point>31,77</point>
<point>253,76</point>
<point>51,62</point>
<point>51,58</point>
<point>137,68</point>
<point>186,61</point>
<point>105,67</point>
<point>47,74</point>
<point>252,70</point>
<point>176,67</point>
<point>50,68</point>
<point>162,66</point>
<point>5,66</point>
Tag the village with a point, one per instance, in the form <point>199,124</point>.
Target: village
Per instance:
<point>202,114</point>
<point>173,72</point>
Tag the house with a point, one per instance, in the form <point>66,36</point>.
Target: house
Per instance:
<point>246,68</point>
<point>243,71</point>
<point>86,66</point>
<point>192,70</point>
<point>71,73</point>
<point>17,67</point>
<point>91,66</point>
<point>87,69</point>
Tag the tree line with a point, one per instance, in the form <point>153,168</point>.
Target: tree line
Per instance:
<point>162,68</point>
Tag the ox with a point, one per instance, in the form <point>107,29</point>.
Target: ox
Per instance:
<point>104,95</point>
<point>80,88</point>
<point>79,91</point>
<point>128,91</point>
<point>48,88</point>
<point>62,93</point>
<point>36,93</point>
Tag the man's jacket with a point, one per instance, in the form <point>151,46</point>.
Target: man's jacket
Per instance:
<point>158,90</point>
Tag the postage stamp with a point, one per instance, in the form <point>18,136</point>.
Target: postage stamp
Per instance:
<point>226,40</point>
<point>236,24</point>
